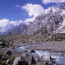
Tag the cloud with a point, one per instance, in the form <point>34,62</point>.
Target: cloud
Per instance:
<point>16,23</point>
<point>52,1</point>
<point>27,21</point>
<point>33,9</point>
<point>3,22</point>
<point>6,24</point>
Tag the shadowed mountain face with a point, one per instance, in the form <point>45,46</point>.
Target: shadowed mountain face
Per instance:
<point>18,29</point>
<point>46,25</point>
<point>42,24</point>
<point>52,20</point>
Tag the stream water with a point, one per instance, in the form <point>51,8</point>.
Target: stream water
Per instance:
<point>58,57</point>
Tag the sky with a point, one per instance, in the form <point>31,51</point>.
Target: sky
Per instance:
<point>9,9</point>
<point>20,11</point>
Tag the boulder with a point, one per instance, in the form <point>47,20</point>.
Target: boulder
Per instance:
<point>33,62</point>
<point>41,63</point>
<point>23,56</point>
<point>54,64</point>
<point>9,53</point>
<point>7,61</point>
<point>36,59</point>
<point>1,57</point>
<point>23,63</point>
<point>32,51</point>
<point>45,63</point>
<point>3,64</point>
<point>50,63</point>
<point>4,58</point>
<point>46,57</point>
<point>16,60</point>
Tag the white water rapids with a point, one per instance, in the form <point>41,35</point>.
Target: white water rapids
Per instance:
<point>57,57</point>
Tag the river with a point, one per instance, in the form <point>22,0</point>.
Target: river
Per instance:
<point>58,57</point>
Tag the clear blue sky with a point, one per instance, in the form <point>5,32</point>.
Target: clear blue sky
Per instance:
<point>8,9</point>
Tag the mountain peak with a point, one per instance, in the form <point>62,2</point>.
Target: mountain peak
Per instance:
<point>51,20</point>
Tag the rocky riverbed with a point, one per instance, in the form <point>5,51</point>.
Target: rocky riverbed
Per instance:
<point>40,51</point>
<point>57,55</point>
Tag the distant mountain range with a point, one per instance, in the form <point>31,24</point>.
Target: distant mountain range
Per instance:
<point>52,20</point>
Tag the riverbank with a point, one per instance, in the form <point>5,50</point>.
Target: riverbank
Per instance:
<point>52,47</point>
<point>56,46</point>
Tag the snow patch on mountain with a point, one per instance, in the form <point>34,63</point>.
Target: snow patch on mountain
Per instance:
<point>63,12</point>
<point>61,29</point>
<point>50,20</point>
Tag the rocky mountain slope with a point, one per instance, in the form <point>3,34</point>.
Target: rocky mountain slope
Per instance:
<point>52,20</point>
<point>18,29</point>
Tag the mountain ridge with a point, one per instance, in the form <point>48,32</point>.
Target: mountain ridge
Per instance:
<point>50,21</point>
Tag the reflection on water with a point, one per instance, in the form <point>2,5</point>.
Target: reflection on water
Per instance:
<point>59,58</point>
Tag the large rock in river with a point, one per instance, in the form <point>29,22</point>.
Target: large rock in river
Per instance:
<point>46,57</point>
<point>16,60</point>
<point>41,63</point>
<point>23,56</point>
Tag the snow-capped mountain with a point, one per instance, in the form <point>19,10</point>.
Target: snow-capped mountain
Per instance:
<point>4,29</point>
<point>52,20</point>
